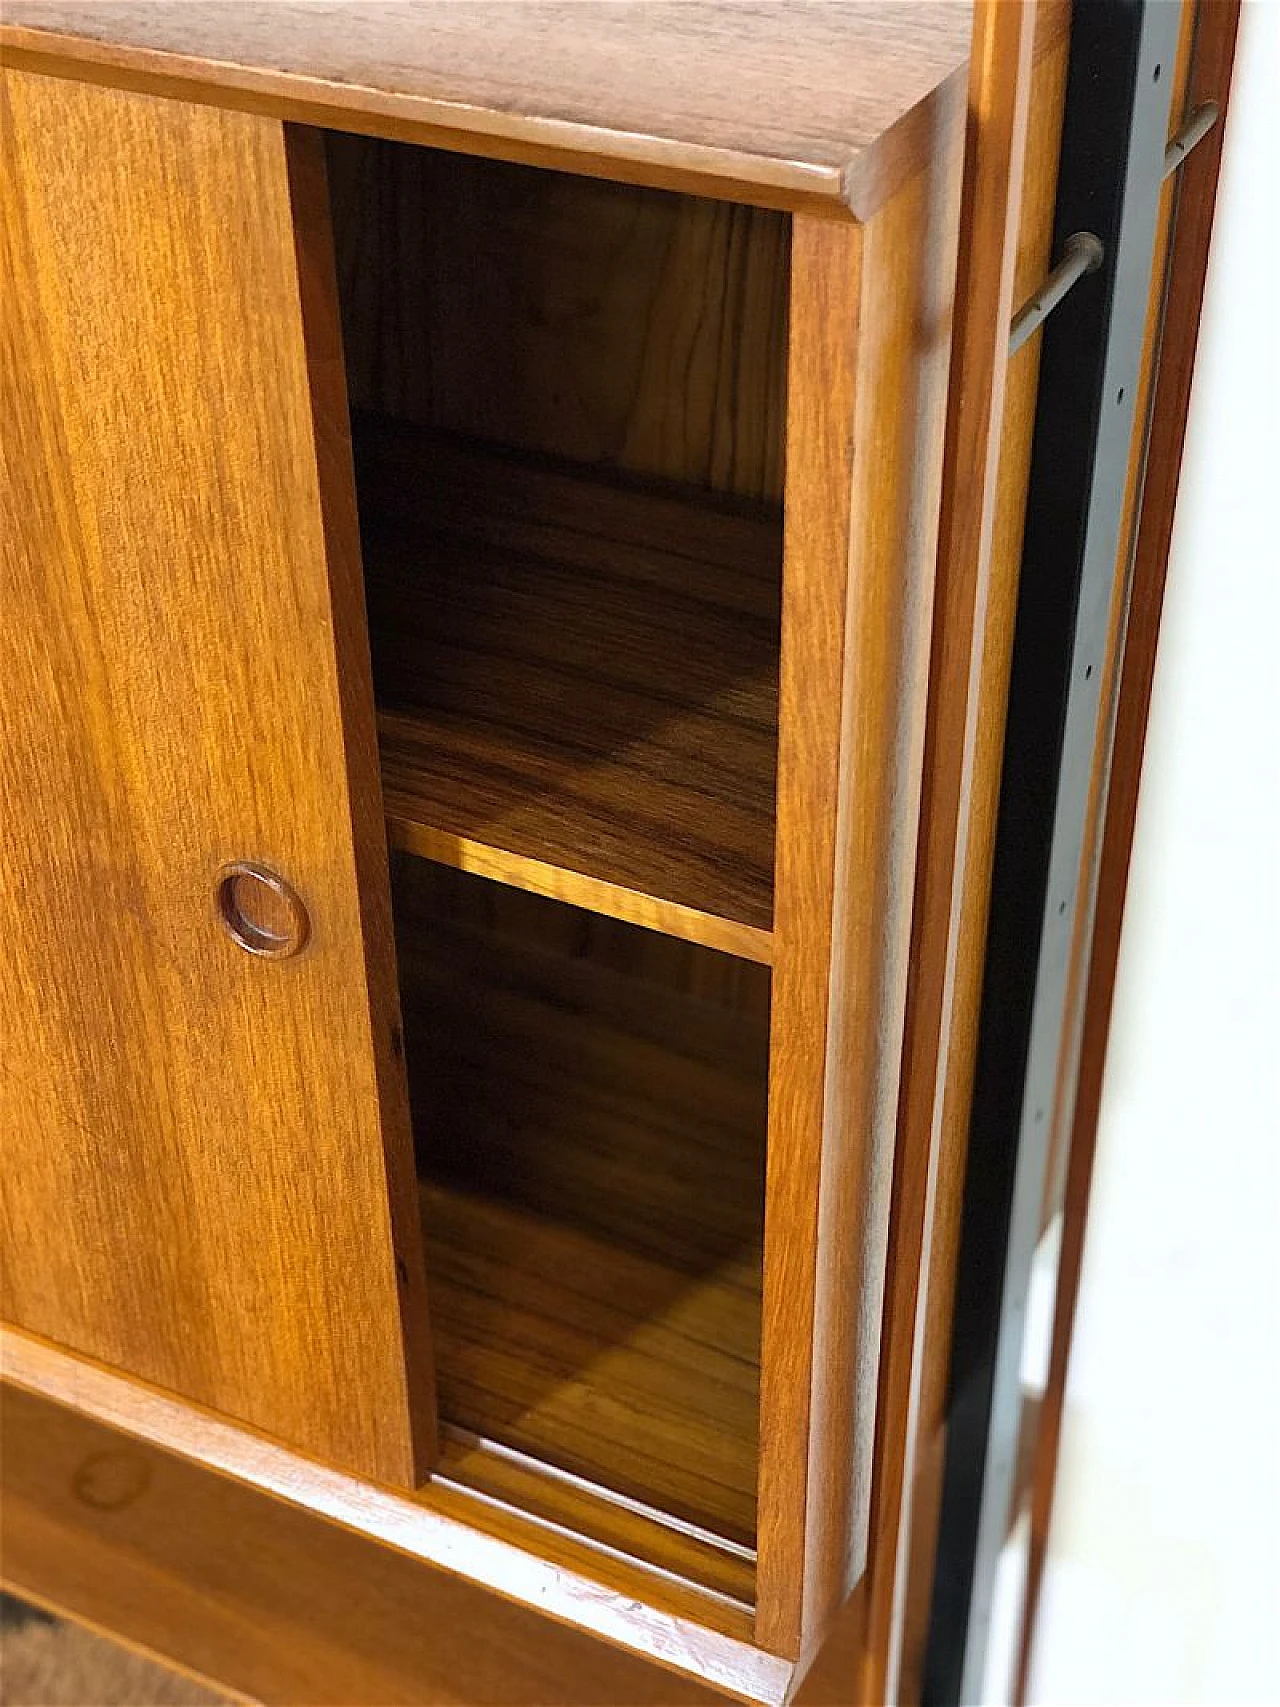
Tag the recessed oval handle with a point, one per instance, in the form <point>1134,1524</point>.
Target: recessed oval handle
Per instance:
<point>260,912</point>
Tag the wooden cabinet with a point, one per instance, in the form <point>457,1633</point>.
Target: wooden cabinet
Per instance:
<point>469,590</point>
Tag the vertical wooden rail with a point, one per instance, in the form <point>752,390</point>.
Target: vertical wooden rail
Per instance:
<point>970,654</point>
<point>869,347</point>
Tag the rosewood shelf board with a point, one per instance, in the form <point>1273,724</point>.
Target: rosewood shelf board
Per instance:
<point>807,103</point>
<point>577,682</point>
<point>593,1146</point>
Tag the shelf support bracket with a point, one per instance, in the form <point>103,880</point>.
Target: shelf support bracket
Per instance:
<point>1084,253</point>
<point>1194,129</point>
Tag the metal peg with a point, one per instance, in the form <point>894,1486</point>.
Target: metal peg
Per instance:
<point>1083,254</point>
<point>1196,128</point>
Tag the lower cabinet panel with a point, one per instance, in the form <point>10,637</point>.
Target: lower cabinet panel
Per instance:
<point>269,1601</point>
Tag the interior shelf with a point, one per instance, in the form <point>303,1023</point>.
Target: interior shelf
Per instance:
<point>577,681</point>
<point>591,1132</point>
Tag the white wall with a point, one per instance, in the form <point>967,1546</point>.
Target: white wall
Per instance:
<point>1163,1580</point>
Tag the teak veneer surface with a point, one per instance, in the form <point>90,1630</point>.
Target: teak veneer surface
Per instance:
<point>201,1146</point>
<point>484,1543</point>
<point>620,326</point>
<point>594,1151</point>
<point>822,109</point>
<point>577,682</point>
<point>618,1368</point>
<point>796,104</point>
<point>269,1600</point>
<point>870,338</point>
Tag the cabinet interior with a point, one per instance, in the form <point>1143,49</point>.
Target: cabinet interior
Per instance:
<point>567,410</point>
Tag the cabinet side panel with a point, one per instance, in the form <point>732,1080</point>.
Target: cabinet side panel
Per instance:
<point>195,1185</point>
<point>1015,111</point>
<point>870,338</point>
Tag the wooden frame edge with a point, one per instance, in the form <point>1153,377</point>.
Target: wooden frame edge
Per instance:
<point>853,191</point>
<point>488,1561</point>
<point>868,362</point>
<point>953,870</point>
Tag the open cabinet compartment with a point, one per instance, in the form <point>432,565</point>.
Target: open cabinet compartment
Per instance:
<point>589,1102</point>
<point>567,425</point>
<point>567,414</point>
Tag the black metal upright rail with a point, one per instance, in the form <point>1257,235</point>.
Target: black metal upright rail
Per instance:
<point>1115,133</point>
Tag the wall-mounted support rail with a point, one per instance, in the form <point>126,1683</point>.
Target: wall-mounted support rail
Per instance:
<point>1075,580</point>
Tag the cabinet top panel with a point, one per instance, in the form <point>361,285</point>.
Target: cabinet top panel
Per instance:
<point>794,103</point>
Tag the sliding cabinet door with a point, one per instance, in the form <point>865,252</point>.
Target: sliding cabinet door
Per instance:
<point>207,1175</point>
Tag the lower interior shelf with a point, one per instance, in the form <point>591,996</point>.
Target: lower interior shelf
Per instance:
<point>607,1365</point>
<point>589,1105</point>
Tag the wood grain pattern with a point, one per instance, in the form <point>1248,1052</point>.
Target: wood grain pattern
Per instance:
<point>670,965</point>
<point>576,682</point>
<point>594,1150</point>
<point>618,1368</point>
<point>622,327</point>
<point>198,1190</point>
<point>331,420</point>
<point>1192,212</point>
<point>968,664</point>
<point>869,347</point>
<point>269,1600</point>
<point>797,104</point>
<point>459,1535</point>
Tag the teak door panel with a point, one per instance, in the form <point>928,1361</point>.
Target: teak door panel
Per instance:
<point>208,1173</point>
